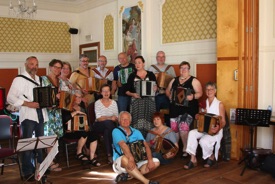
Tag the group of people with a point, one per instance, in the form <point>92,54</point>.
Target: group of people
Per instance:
<point>133,117</point>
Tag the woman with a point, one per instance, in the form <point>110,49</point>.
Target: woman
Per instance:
<point>64,83</point>
<point>54,125</point>
<point>84,138</point>
<point>165,132</point>
<point>207,142</point>
<point>141,108</point>
<point>185,80</point>
<point>106,112</point>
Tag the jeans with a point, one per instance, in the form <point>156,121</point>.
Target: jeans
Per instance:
<point>28,126</point>
<point>162,102</point>
<point>123,103</point>
<point>162,160</point>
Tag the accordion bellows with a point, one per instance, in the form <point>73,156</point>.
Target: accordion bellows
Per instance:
<point>138,150</point>
<point>66,100</point>
<point>207,121</point>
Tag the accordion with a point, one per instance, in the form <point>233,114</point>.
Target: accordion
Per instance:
<point>163,79</point>
<point>66,101</point>
<point>145,88</point>
<point>45,96</point>
<point>91,84</point>
<point>78,123</point>
<point>138,150</point>
<point>165,146</point>
<point>207,121</point>
<point>179,96</point>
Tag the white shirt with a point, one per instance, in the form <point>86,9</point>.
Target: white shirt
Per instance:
<point>22,90</point>
<point>103,72</point>
<point>214,108</point>
<point>101,110</point>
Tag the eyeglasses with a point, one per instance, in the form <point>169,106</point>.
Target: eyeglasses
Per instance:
<point>209,89</point>
<point>84,61</point>
<point>184,68</point>
<point>57,67</point>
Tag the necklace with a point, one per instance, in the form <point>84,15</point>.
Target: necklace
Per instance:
<point>183,78</point>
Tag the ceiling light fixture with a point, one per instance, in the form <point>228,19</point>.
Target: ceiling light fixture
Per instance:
<point>22,9</point>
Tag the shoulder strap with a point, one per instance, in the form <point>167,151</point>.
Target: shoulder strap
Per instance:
<point>124,135</point>
<point>23,76</point>
<point>108,72</point>
<point>162,135</point>
<point>98,73</point>
<point>156,68</point>
<point>167,68</point>
<point>79,72</point>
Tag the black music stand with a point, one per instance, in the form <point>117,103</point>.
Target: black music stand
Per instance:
<point>33,144</point>
<point>252,118</point>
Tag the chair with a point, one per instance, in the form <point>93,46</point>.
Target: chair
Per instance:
<point>67,143</point>
<point>7,133</point>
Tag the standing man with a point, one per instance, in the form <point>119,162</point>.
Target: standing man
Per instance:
<point>124,162</point>
<point>101,72</point>
<point>121,74</point>
<point>81,76</point>
<point>162,101</point>
<point>31,117</point>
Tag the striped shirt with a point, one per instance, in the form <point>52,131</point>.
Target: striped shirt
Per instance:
<point>101,110</point>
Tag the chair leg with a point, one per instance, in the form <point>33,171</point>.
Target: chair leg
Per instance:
<point>67,155</point>
<point>2,167</point>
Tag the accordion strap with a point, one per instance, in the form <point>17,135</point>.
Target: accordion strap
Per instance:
<point>161,135</point>
<point>23,76</point>
<point>98,73</point>
<point>167,68</point>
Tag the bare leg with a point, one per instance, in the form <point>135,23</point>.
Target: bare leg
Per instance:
<point>145,170</point>
<point>80,145</point>
<point>184,136</point>
<point>93,146</point>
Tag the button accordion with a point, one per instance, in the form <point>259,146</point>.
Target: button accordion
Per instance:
<point>207,121</point>
<point>179,95</point>
<point>78,123</point>
<point>66,101</point>
<point>163,79</point>
<point>91,84</point>
<point>145,88</point>
<point>45,96</point>
<point>138,150</point>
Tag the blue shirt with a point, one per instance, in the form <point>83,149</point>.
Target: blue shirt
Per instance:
<point>119,136</point>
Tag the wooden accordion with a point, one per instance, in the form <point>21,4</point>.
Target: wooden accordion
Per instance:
<point>165,146</point>
<point>145,88</point>
<point>138,150</point>
<point>66,101</point>
<point>179,95</point>
<point>45,96</point>
<point>163,79</point>
<point>91,84</point>
<point>207,121</point>
<point>78,123</point>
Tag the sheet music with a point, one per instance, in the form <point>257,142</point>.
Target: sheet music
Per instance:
<point>47,162</point>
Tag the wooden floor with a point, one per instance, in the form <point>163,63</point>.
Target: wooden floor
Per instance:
<point>225,173</point>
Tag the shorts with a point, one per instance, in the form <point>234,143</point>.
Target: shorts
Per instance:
<point>118,169</point>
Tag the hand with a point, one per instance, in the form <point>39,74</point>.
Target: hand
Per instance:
<point>155,88</point>
<point>215,129</point>
<point>169,155</point>
<point>34,105</point>
<point>135,95</point>
<point>190,97</point>
<point>114,118</point>
<point>58,95</point>
<point>150,165</point>
<point>84,91</point>
<point>131,164</point>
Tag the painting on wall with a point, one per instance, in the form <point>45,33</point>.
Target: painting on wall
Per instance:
<point>131,32</point>
<point>92,50</point>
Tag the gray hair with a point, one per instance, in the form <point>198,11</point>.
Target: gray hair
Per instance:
<point>124,112</point>
<point>212,84</point>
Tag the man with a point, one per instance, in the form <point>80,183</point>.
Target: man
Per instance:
<point>101,72</point>
<point>31,117</point>
<point>80,77</point>
<point>162,101</point>
<point>121,74</point>
<point>124,162</point>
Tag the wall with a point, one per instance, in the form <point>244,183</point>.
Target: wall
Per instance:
<point>16,59</point>
<point>266,89</point>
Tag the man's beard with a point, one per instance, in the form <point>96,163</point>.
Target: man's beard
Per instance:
<point>32,71</point>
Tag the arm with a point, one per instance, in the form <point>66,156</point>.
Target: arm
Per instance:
<point>197,88</point>
<point>168,89</point>
<point>150,164</point>
<point>222,114</point>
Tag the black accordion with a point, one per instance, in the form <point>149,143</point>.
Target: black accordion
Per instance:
<point>138,150</point>
<point>179,95</point>
<point>145,88</point>
<point>45,96</point>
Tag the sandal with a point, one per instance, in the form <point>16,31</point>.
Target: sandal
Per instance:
<point>81,157</point>
<point>209,163</point>
<point>190,165</point>
<point>54,167</point>
<point>123,177</point>
<point>94,162</point>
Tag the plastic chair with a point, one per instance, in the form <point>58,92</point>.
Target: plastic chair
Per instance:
<point>7,133</point>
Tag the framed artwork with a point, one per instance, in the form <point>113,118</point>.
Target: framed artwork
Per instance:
<point>131,32</point>
<point>92,50</point>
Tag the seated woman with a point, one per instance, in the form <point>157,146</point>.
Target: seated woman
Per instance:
<point>89,138</point>
<point>207,142</point>
<point>106,112</point>
<point>161,130</point>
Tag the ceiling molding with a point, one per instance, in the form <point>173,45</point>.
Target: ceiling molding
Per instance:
<point>71,6</point>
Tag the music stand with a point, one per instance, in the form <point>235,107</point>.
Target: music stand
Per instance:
<point>252,118</point>
<point>33,144</point>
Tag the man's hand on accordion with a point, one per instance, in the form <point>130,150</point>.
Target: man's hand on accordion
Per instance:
<point>215,128</point>
<point>131,163</point>
<point>34,105</point>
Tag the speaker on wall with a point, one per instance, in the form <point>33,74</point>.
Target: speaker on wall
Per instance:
<point>73,30</point>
